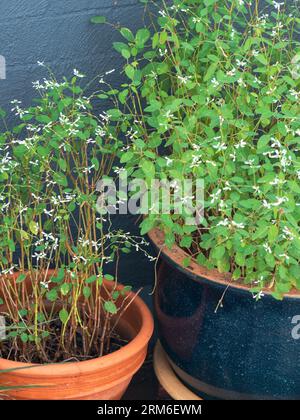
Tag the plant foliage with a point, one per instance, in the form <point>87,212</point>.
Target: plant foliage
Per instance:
<point>213,92</point>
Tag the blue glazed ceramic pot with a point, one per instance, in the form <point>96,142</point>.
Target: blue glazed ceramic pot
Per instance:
<point>220,341</point>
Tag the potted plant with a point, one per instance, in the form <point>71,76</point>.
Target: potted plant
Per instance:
<point>213,93</point>
<point>85,334</point>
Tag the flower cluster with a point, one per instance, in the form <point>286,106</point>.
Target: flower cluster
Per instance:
<point>50,230</point>
<point>214,94</point>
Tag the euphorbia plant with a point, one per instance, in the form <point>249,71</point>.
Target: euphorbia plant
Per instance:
<point>213,93</point>
<point>54,243</point>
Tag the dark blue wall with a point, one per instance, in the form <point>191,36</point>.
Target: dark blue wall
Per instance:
<point>59,32</point>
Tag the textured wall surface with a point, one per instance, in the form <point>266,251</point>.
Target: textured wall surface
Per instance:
<point>59,32</point>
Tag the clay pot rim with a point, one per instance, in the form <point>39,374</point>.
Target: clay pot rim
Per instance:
<point>136,345</point>
<point>199,273</point>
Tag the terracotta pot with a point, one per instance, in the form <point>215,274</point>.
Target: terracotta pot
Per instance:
<point>105,378</point>
<point>220,341</point>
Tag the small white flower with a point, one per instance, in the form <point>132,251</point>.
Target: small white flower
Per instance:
<point>231,72</point>
<point>241,63</point>
<point>162,53</point>
<point>9,270</point>
<point>240,145</point>
<point>271,90</point>
<point>266,204</point>
<point>184,79</point>
<point>215,196</point>
<point>241,82</point>
<point>258,296</point>
<point>227,186</point>
<point>267,248</point>
<point>284,256</point>
<point>162,13</point>
<point>288,234</point>
<point>238,225</point>
<point>49,212</point>
<point>78,74</point>
<point>280,200</point>
<point>196,19</point>
<point>233,156</point>
<point>294,93</point>
<point>169,161</point>
<point>224,222</point>
<point>215,83</point>
<point>250,162</point>
<point>220,146</point>
<point>277,5</point>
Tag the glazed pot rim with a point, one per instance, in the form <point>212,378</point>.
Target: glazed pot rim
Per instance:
<point>89,366</point>
<point>199,273</point>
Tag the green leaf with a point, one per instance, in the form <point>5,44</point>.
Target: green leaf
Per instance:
<point>272,234</point>
<point>21,278</point>
<point>44,119</point>
<point>294,186</point>
<point>186,261</point>
<point>186,242</point>
<point>59,277</point>
<point>236,274</point>
<point>42,151</point>
<point>20,151</point>
<point>210,71</point>
<point>127,34</point>
<point>147,224</point>
<point>110,307</point>
<point>86,292</point>
<point>263,143</point>
<point>148,168</point>
<point>24,235</point>
<point>60,179</point>
<point>142,36</point>
<point>33,227</point>
<point>11,245</point>
<point>65,288</point>
<point>126,53</point>
<point>24,337</point>
<point>63,315</point>
<point>262,59</point>
<point>126,157</point>
<point>62,164</point>
<point>96,164</point>
<point>218,252</point>
<point>209,2</point>
<point>130,71</point>
<point>52,295</point>
<point>98,19</point>
<point>91,279</point>
<point>114,113</point>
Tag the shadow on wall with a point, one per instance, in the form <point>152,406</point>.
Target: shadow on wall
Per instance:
<point>59,33</point>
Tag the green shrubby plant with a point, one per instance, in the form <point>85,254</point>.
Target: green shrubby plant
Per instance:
<point>50,164</point>
<point>213,92</point>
